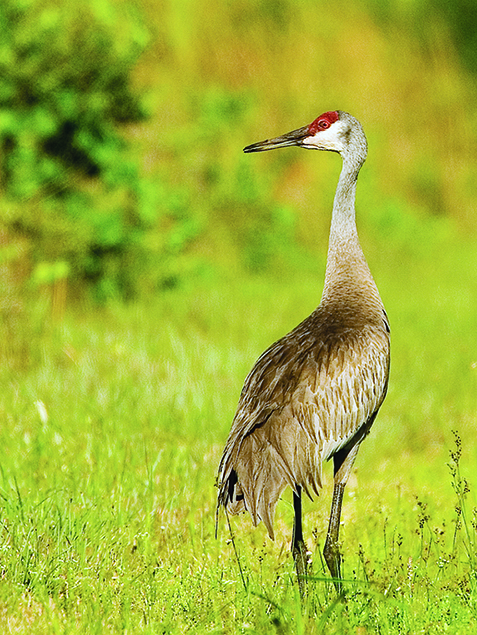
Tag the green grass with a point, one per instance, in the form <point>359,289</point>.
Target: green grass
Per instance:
<point>113,422</point>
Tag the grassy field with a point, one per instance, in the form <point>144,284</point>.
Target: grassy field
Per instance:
<point>113,425</point>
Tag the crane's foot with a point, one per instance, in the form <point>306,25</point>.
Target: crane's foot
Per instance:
<point>298,547</point>
<point>332,556</point>
<point>302,565</point>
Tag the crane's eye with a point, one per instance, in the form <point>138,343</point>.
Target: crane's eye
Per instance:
<point>323,124</point>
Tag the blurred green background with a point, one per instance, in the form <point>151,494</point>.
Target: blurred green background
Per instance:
<point>122,125</point>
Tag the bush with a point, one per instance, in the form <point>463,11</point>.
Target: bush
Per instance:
<point>69,184</point>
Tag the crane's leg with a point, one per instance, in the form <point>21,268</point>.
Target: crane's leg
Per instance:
<point>343,462</point>
<point>298,546</point>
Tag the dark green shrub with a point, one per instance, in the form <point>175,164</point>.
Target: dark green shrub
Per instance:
<point>68,182</point>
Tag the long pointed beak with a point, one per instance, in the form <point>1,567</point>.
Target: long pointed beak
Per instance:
<point>293,138</point>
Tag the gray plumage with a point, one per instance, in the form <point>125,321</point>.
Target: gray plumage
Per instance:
<point>314,394</point>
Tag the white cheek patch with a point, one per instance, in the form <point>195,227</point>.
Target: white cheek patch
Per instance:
<point>329,139</point>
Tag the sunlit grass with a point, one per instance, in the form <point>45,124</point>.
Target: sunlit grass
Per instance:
<point>111,438</point>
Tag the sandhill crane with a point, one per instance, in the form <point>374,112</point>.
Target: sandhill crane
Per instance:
<point>315,393</point>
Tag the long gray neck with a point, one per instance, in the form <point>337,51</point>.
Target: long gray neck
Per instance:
<point>343,221</point>
<point>346,270</point>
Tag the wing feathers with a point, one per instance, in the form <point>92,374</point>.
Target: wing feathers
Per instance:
<point>297,410</point>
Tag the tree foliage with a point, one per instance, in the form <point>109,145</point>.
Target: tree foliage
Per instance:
<point>68,180</point>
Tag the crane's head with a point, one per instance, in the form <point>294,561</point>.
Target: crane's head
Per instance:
<point>336,131</point>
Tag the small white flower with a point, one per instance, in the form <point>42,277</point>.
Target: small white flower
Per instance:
<point>42,411</point>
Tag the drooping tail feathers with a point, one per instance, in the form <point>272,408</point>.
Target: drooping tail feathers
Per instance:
<point>255,470</point>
